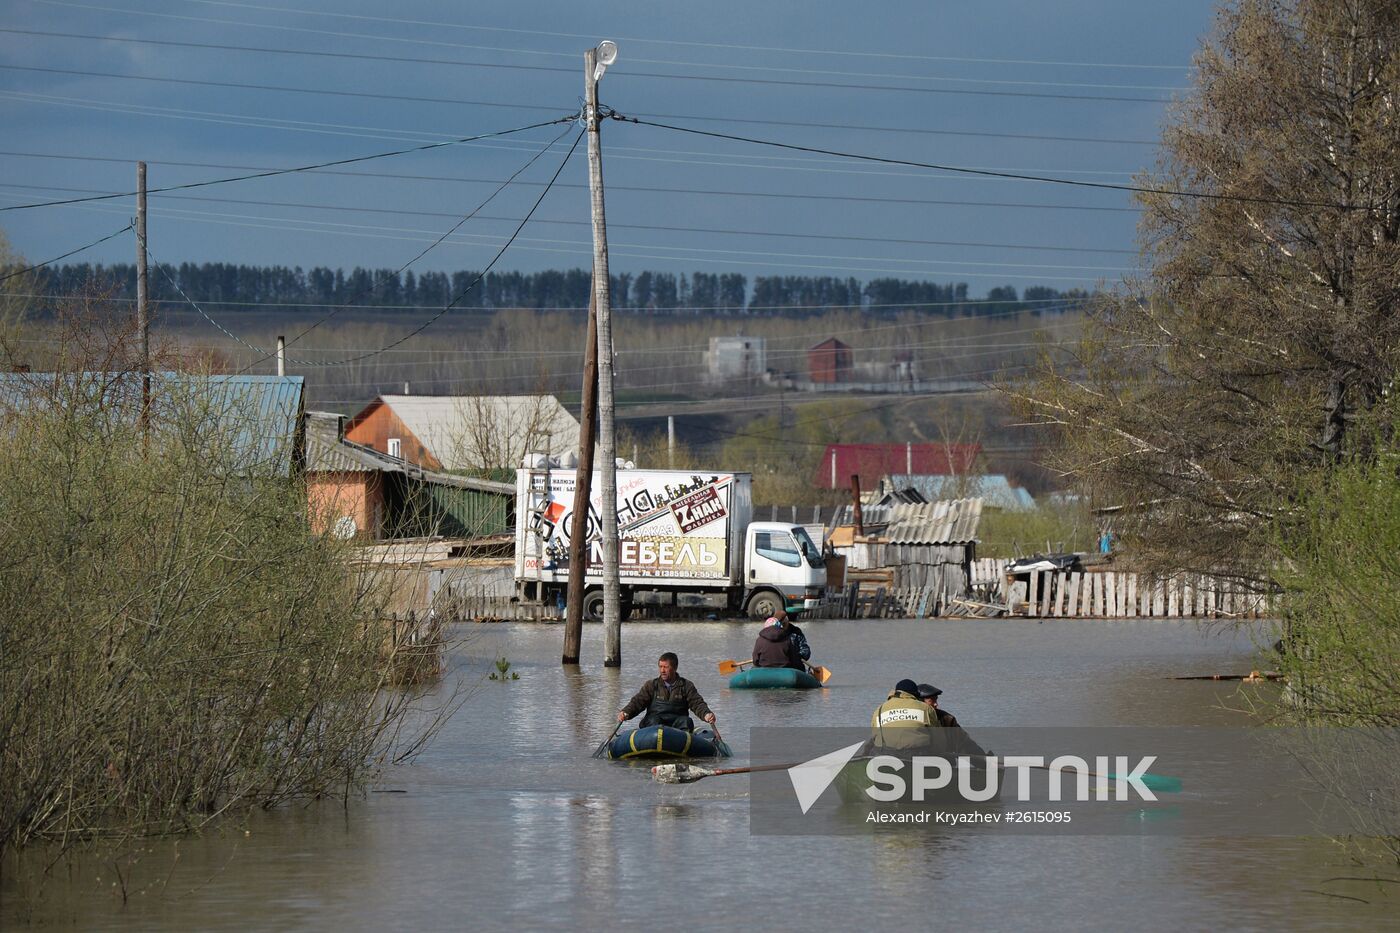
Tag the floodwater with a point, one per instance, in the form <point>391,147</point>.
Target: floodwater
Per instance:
<point>505,822</point>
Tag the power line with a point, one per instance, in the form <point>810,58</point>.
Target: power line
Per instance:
<point>438,43</point>
<point>456,226</point>
<point>584,223</point>
<point>301,168</point>
<point>693,44</point>
<point>903,268</point>
<point>724,257</point>
<point>548,68</point>
<point>40,265</point>
<point>165,270</point>
<point>857,127</point>
<point>642,189</point>
<point>481,275</point>
<point>1031,305</point>
<point>1176,192</point>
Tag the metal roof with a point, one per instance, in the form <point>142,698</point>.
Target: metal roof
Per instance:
<point>456,427</point>
<point>951,521</point>
<point>256,419</point>
<point>995,488</point>
<point>328,452</point>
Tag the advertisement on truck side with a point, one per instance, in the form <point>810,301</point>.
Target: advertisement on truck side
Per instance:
<point>670,525</point>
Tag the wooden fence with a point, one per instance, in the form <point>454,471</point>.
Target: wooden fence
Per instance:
<point>1112,594</point>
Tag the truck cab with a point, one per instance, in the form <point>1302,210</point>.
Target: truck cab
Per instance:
<point>783,568</point>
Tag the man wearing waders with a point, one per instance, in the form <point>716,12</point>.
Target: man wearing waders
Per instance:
<point>668,699</point>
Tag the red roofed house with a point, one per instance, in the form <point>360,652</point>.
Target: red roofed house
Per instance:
<point>829,361</point>
<point>872,461</point>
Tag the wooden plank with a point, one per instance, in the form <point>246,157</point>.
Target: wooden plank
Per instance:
<point>1171,596</point>
<point>1132,595</point>
<point>1111,603</point>
<point>1075,579</point>
<point>1032,593</point>
<point>1057,610</point>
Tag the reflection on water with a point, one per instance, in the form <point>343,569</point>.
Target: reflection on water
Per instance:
<point>506,822</point>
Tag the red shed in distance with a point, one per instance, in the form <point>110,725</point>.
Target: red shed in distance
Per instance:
<point>830,361</point>
<point>872,461</point>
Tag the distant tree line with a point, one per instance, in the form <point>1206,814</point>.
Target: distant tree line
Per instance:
<point>283,288</point>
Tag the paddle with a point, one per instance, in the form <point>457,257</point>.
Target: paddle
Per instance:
<point>1251,677</point>
<point>1159,783</point>
<point>683,773</point>
<point>727,668</point>
<point>599,752</point>
<point>720,744</point>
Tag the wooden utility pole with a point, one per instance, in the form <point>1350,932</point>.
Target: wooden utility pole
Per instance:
<point>607,494</point>
<point>583,488</point>
<point>143,311</point>
<point>281,356</point>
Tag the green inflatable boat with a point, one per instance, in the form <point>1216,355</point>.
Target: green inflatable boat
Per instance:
<point>773,678</point>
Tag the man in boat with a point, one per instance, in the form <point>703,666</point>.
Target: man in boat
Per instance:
<point>804,650</point>
<point>901,722</point>
<point>668,700</point>
<point>780,644</point>
<point>929,694</point>
<point>959,743</point>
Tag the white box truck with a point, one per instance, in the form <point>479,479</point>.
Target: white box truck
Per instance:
<point>681,533</point>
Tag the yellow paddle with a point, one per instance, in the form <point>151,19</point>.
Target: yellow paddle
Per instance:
<point>727,668</point>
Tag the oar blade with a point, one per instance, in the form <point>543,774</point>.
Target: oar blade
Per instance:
<point>822,674</point>
<point>728,667</point>
<point>1157,783</point>
<point>1162,783</point>
<point>679,773</point>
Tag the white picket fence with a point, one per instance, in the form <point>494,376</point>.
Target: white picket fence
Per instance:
<point>1115,594</point>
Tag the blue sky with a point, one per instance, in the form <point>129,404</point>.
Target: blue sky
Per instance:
<point>1071,90</point>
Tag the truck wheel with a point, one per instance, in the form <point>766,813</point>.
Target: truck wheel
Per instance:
<point>763,604</point>
<point>593,605</point>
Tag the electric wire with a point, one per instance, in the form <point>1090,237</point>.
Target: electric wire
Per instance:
<point>481,275</point>
<point>855,127</point>
<point>1137,189</point>
<point>651,189</point>
<point>301,168</point>
<point>438,43</point>
<point>71,252</point>
<point>375,285</point>
<point>614,224</point>
<point>1094,98</point>
<point>1032,305</point>
<point>708,45</point>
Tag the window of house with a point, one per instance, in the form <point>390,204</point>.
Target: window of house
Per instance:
<point>395,447</point>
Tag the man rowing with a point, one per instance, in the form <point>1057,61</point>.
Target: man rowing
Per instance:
<point>781,644</point>
<point>668,699</point>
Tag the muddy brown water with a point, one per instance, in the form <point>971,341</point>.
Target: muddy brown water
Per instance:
<point>505,822</point>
